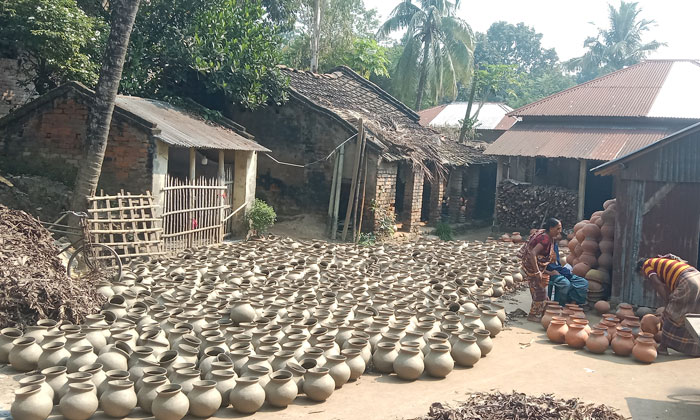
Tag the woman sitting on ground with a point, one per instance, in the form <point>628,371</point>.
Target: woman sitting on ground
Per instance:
<point>678,285</point>
<point>568,287</point>
<point>536,254</point>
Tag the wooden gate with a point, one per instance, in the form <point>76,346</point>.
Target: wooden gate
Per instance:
<point>193,212</point>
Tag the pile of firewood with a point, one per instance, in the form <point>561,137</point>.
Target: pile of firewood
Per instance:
<point>523,205</point>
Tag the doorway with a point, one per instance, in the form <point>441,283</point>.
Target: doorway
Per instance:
<point>599,189</point>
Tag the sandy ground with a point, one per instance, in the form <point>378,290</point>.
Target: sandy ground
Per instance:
<point>522,360</point>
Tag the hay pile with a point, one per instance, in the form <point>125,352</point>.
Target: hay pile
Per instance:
<point>498,406</point>
<point>33,282</point>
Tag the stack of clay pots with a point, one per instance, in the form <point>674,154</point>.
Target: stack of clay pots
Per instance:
<point>247,324</point>
<point>622,331</point>
<point>591,246</point>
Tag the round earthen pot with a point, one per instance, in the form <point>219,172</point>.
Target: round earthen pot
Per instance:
<point>170,403</point>
<point>624,309</point>
<point>623,343</point>
<point>548,315</point>
<point>591,231</point>
<point>576,336</point>
<point>644,350</point>
<point>581,269</point>
<point>602,307</point>
<point>556,332</point>
<point>597,342</point>
<point>31,404</point>
<point>651,323</point>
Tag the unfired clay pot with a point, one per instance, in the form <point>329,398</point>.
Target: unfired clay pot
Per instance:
<point>281,390</point>
<point>25,353</point>
<point>148,392</point>
<point>483,340</point>
<point>318,384</point>
<point>408,365</point>
<point>384,356</point>
<point>118,399</point>
<point>355,362</point>
<point>31,404</point>
<point>438,362</point>
<point>338,369</point>
<point>465,351</point>
<point>204,399</point>
<point>170,403</point>
<point>7,336</point>
<point>247,396</point>
<point>80,402</point>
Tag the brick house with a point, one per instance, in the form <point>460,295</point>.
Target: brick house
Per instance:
<point>148,141</point>
<point>407,164</point>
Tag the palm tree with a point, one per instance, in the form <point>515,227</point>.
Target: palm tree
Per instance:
<point>100,115</point>
<point>617,47</point>
<point>438,47</point>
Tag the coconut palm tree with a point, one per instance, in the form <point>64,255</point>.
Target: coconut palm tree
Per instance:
<point>100,115</point>
<point>616,47</point>
<point>438,47</point>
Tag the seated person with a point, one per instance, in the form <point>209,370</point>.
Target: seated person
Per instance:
<point>568,287</point>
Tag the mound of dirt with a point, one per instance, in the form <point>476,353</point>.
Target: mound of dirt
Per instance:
<point>498,406</point>
<point>33,282</point>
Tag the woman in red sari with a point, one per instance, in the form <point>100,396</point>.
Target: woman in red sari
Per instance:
<point>536,255</point>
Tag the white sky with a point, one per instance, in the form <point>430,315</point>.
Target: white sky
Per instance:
<point>565,23</point>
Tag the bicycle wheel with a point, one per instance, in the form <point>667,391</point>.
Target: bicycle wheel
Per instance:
<point>95,260</point>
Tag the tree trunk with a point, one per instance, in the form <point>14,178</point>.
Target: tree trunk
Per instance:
<point>100,114</point>
<point>423,72</point>
<point>468,115</point>
<point>315,36</point>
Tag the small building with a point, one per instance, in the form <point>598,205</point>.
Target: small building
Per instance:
<point>558,139</point>
<point>492,119</point>
<point>658,209</point>
<point>408,165</point>
<point>149,142</point>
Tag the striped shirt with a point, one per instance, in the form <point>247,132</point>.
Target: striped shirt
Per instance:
<point>668,270</point>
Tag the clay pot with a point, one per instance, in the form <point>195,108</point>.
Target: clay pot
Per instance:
<point>516,238</point>
<point>281,390</point>
<point>118,399</point>
<point>79,402</point>
<point>355,362</point>
<point>31,404</point>
<point>408,364</point>
<point>591,231</point>
<point>465,351</point>
<point>607,231</point>
<point>556,332</point>
<point>623,310</point>
<point>383,358</point>
<point>602,307</point>
<point>56,379</point>
<point>491,322</point>
<point>597,342</point>
<point>98,376</point>
<point>581,269</point>
<point>80,356</point>
<point>24,355</point>
<point>225,381</point>
<point>576,336</point>
<point>111,375</point>
<point>46,390</point>
<point>338,369</point>
<point>438,362</point>
<point>204,399</point>
<point>589,259</point>
<point>53,354</point>
<point>573,243</point>
<point>623,343</point>
<point>483,340</point>
<point>644,350</point>
<point>548,315</point>
<point>170,403</point>
<point>650,324</point>
<point>247,396</point>
<point>148,392</point>
<point>242,311</point>
<point>7,336</point>
<point>605,261</point>
<point>590,246</point>
<point>113,358</point>
<point>318,384</point>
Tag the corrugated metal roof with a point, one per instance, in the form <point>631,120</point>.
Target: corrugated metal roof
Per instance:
<point>653,88</point>
<point>583,142</point>
<point>427,115</point>
<point>490,115</point>
<point>180,128</point>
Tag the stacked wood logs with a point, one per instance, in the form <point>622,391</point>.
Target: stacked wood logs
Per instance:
<point>591,245</point>
<point>521,205</point>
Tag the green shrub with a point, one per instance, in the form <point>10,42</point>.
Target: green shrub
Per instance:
<point>444,231</point>
<point>385,220</point>
<point>367,239</point>
<point>261,217</point>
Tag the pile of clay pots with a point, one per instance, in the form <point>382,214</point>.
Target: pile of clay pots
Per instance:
<point>244,324</point>
<point>591,249</point>
<point>622,331</point>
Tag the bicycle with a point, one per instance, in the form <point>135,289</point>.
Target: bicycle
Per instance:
<point>89,258</point>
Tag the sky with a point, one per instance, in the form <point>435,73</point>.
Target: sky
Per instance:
<point>565,24</point>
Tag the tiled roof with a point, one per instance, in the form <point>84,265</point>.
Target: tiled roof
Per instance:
<point>392,126</point>
<point>593,142</point>
<point>653,88</point>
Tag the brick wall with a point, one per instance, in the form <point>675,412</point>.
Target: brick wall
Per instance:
<point>52,137</point>
<point>454,187</point>
<point>437,191</point>
<point>413,200</point>
<point>12,95</point>
<point>381,187</point>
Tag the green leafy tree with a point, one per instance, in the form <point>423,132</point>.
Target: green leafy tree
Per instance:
<point>53,40</point>
<point>616,47</point>
<point>368,58</point>
<point>438,48</point>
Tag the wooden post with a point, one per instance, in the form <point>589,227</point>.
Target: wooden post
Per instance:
<point>356,167</point>
<point>582,188</point>
<point>222,180</point>
<point>336,203</point>
<point>331,201</point>
<point>355,230</point>
<point>362,206</point>
<point>191,201</point>
<point>499,179</point>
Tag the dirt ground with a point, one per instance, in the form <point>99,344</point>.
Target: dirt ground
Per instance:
<point>522,360</point>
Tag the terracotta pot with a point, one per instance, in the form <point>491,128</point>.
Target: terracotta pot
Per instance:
<point>581,269</point>
<point>247,396</point>
<point>591,231</point>
<point>644,350</point>
<point>576,336</point>
<point>516,237</point>
<point>31,404</point>
<point>548,315</point>
<point>438,362</point>
<point>170,403</point>
<point>590,246</point>
<point>556,332</point>
<point>624,309</point>
<point>408,364</point>
<point>204,399</point>
<point>651,324</point>
<point>605,261</point>
<point>589,259</point>
<point>602,306</point>
<point>80,402</point>
<point>607,231</point>
<point>623,343</point>
<point>118,399</point>
<point>597,342</point>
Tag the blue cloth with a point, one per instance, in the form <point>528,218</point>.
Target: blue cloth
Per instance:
<point>574,289</point>
<point>556,266</point>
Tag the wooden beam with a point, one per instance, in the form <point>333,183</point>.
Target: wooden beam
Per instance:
<point>331,201</point>
<point>657,197</point>
<point>222,182</point>
<point>193,163</point>
<point>336,204</point>
<point>582,172</point>
<point>356,168</point>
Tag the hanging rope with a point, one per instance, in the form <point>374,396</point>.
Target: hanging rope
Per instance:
<point>315,162</point>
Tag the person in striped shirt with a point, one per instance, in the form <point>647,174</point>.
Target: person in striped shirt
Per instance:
<point>678,285</point>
